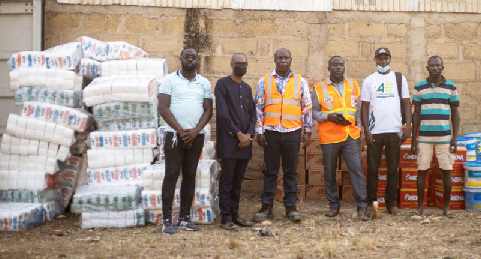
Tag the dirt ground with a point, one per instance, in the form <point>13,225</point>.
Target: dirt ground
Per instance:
<point>316,236</point>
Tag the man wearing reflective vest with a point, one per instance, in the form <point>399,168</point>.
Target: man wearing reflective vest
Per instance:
<point>335,106</point>
<point>283,107</point>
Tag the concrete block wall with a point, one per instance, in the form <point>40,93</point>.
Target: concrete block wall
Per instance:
<point>312,37</point>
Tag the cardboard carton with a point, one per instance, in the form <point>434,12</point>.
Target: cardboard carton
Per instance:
<point>315,192</point>
<point>316,177</point>
<point>408,198</point>
<point>457,198</point>
<point>314,162</point>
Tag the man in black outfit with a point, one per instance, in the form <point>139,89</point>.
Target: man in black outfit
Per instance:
<point>236,119</point>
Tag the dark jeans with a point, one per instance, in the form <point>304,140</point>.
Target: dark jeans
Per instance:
<point>351,150</point>
<point>390,142</point>
<point>231,178</point>
<point>180,155</point>
<point>285,145</point>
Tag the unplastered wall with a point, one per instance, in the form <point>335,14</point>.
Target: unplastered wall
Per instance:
<point>312,37</point>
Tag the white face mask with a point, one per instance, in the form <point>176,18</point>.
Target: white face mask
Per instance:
<point>383,69</point>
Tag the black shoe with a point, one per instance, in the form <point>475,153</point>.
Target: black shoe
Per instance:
<point>392,210</point>
<point>243,223</point>
<point>264,213</point>
<point>292,214</point>
<point>362,213</point>
<point>332,213</point>
<point>229,226</point>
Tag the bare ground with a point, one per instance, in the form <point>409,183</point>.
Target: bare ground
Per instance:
<point>315,237</point>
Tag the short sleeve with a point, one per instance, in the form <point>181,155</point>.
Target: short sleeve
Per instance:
<point>366,90</point>
<point>454,99</point>
<point>416,96</point>
<point>165,86</point>
<point>207,90</point>
<point>405,88</point>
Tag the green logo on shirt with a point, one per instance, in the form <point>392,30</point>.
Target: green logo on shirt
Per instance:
<point>385,90</point>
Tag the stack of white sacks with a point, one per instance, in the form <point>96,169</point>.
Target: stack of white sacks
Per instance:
<point>124,102</point>
<point>47,90</point>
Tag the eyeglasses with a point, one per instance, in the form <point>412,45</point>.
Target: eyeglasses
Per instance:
<point>187,57</point>
<point>241,64</point>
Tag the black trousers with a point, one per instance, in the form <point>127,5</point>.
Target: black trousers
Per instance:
<point>231,178</point>
<point>283,146</point>
<point>180,155</point>
<point>390,142</point>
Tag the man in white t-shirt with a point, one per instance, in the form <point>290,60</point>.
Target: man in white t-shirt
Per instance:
<point>382,122</point>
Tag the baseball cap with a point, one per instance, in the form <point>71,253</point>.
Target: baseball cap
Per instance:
<point>382,50</point>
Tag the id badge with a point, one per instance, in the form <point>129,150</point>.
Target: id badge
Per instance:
<point>328,99</point>
<point>354,101</point>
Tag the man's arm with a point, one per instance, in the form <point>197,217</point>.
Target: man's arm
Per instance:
<point>191,134</point>
<point>252,114</point>
<point>416,120</point>
<point>365,122</point>
<point>306,103</point>
<point>407,115</point>
<point>455,118</point>
<point>317,114</point>
<point>164,111</point>
<point>260,105</point>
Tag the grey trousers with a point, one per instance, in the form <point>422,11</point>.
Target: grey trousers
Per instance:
<point>351,150</point>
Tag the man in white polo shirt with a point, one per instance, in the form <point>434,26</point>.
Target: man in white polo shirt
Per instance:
<point>185,103</point>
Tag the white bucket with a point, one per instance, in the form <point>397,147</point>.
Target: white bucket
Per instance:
<point>472,174</point>
<point>476,135</point>
<point>471,147</point>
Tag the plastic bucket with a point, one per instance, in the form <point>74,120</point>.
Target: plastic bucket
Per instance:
<point>472,198</point>
<point>476,135</point>
<point>472,174</point>
<point>471,147</point>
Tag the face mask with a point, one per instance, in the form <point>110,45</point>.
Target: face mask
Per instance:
<point>240,71</point>
<point>383,69</point>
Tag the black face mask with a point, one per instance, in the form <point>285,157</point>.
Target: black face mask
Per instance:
<point>240,71</point>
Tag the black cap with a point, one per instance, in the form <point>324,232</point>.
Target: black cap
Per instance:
<point>382,50</point>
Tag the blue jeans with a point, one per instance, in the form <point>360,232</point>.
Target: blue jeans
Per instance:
<point>351,150</point>
<point>285,146</point>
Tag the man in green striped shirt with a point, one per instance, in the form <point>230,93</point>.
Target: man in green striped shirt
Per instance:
<point>436,104</point>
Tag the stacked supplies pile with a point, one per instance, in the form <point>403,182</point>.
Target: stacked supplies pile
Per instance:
<point>108,206</point>
<point>205,203</point>
<point>37,173</point>
<point>123,97</point>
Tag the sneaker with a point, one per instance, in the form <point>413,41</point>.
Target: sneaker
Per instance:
<point>292,214</point>
<point>186,224</point>
<point>264,213</point>
<point>168,227</point>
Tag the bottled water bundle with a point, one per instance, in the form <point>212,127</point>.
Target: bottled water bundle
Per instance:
<point>44,77</point>
<point>66,56</point>
<point>113,116</point>
<point>90,68</point>
<point>24,127</point>
<point>102,51</point>
<point>19,216</point>
<point>72,118</point>
<point>148,67</point>
<point>52,209</point>
<point>113,219</point>
<point>33,180</point>
<point>67,98</point>
<point>15,162</point>
<point>102,158</point>
<point>30,196</point>
<point>120,88</point>
<point>89,198</point>
<point>129,175</point>
<point>153,177</point>
<point>132,139</point>
<point>11,145</point>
